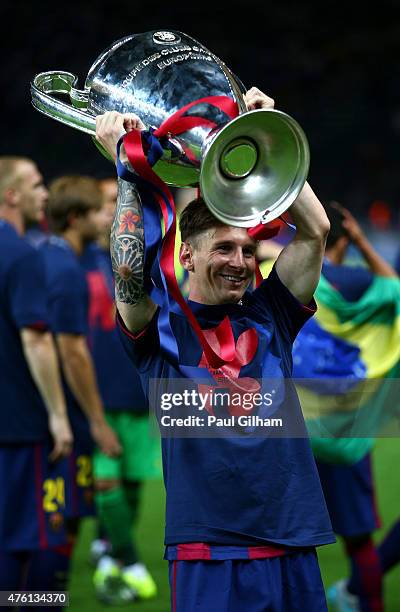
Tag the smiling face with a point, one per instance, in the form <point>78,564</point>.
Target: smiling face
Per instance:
<point>221,264</point>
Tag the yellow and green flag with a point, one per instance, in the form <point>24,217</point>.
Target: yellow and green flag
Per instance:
<point>346,367</point>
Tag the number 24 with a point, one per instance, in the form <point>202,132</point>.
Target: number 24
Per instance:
<point>54,494</point>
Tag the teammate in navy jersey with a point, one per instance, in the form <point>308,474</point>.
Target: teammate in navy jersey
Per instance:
<point>73,208</point>
<point>243,513</point>
<point>120,574</point>
<point>349,489</point>
<point>35,436</point>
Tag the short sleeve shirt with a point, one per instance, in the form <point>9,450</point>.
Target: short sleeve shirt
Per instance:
<point>238,491</point>
<point>23,304</point>
<point>351,282</point>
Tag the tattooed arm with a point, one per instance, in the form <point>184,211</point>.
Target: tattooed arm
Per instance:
<point>127,235</point>
<point>127,249</point>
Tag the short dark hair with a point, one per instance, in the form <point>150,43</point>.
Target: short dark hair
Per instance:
<point>72,195</point>
<point>197,218</point>
<point>336,219</point>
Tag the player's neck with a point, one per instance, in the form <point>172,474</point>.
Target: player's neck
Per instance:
<point>74,240</point>
<point>13,216</point>
<point>104,242</point>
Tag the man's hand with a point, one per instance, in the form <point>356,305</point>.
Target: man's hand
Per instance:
<point>376,262</point>
<point>112,125</point>
<point>255,98</point>
<point>105,438</point>
<point>350,224</point>
<point>62,436</point>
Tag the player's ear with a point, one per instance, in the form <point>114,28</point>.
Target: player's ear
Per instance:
<point>12,197</point>
<point>186,256</point>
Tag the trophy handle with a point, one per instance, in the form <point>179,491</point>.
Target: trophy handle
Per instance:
<point>56,82</point>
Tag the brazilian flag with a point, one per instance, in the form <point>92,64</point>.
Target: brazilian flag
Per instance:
<point>346,364</point>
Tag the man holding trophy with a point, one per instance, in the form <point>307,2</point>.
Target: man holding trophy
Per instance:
<point>244,513</point>
<point>220,260</point>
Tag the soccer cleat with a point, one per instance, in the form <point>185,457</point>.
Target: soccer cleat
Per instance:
<point>107,581</point>
<point>137,578</point>
<point>340,599</point>
<point>98,548</point>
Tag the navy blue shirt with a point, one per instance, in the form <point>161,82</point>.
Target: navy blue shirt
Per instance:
<point>36,235</point>
<point>23,416</point>
<point>119,382</point>
<point>239,491</point>
<point>351,282</point>
<point>68,314</point>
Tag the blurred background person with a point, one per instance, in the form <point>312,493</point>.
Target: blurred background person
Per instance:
<point>345,464</point>
<point>120,575</point>
<point>35,435</point>
<point>73,207</point>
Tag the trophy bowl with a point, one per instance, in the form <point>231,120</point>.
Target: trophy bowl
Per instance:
<point>250,169</point>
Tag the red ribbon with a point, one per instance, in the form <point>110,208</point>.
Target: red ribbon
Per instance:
<point>173,125</point>
<point>176,124</point>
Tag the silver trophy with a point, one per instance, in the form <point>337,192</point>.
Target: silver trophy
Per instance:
<point>250,169</point>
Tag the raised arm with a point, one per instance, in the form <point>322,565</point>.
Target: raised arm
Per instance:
<point>127,234</point>
<point>375,262</point>
<point>299,264</point>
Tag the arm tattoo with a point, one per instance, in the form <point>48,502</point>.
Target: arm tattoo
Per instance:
<point>127,245</point>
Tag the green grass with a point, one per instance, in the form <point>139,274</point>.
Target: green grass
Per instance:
<point>332,560</point>
<point>150,542</point>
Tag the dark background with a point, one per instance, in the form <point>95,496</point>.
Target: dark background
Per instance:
<point>334,67</point>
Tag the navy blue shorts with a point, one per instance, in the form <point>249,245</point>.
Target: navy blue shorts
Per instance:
<point>350,498</point>
<point>32,499</point>
<point>289,583</point>
<point>79,492</point>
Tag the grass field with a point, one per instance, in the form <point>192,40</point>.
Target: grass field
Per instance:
<point>150,530</point>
